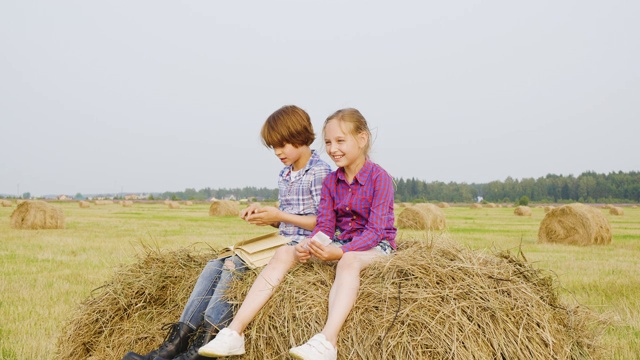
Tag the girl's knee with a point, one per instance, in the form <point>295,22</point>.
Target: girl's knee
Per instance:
<point>349,260</point>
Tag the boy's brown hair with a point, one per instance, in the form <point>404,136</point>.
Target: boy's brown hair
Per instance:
<point>288,125</point>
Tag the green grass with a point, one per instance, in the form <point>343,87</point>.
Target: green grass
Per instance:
<point>47,273</point>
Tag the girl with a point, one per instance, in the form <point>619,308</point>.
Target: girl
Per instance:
<point>288,131</point>
<point>356,209</point>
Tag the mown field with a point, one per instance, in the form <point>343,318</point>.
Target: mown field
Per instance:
<point>47,273</point>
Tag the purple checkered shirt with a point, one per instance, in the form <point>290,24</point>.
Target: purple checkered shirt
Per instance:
<point>361,211</point>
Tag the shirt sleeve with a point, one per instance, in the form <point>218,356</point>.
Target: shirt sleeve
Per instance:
<point>379,216</point>
<point>326,220</point>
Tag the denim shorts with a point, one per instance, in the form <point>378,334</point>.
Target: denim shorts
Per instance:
<point>383,246</point>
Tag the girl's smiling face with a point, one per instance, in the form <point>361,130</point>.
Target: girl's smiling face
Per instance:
<point>344,148</point>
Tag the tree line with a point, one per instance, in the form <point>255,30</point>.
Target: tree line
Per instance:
<point>588,187</point>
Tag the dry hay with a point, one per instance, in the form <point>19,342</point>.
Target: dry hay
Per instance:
<point>103,202</point>
<point>616,211</point>
<point>607,206</point>
<point>84,204</point>
<point>522,210</point>
<point>443,205</point>
<point>431,300</point>
<point>36,215</point>
<point>173,205</point>
<point>476,206</point>
<point>422,217</point>
<point>548,208</point>
<point>575,224</point>
<point>490,205</point>
<point>188,203</point>
<point>634,206</point>
<point>127,203</point>
<point>224,208</point>
<point>6,203</point>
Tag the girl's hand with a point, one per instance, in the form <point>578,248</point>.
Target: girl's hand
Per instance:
<point>267,215</point>
<point>302,252</point>
<point>324,253</point>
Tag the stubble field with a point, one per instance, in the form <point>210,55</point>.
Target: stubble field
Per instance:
<point>47,273</point>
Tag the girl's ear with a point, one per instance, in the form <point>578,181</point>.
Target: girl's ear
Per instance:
<point>362,139</point>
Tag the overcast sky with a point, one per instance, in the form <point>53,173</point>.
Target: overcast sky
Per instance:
<point>153,96</point>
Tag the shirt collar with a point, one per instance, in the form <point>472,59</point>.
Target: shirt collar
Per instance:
<point>361,176</point>
<point>311,163</point>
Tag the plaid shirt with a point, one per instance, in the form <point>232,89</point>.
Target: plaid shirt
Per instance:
<point>360,212</point>
<point>300,194</point>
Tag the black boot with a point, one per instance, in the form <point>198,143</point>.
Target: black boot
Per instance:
<point>176,342</point>
<point>204,334</point>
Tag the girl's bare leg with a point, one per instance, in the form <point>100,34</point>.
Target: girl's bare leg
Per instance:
<point>344,290</point>
<point>264,285</point>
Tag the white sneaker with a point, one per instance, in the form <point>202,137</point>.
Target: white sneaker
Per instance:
<point>226,343</point>
<point>317,348</point>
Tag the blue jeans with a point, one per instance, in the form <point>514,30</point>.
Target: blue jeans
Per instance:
<point>206,301</point>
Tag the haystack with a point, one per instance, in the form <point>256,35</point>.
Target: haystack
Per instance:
<point>127,203</point>
<point>490,205</point>
<point>431,300</point>
<point>443,205</point>
<point>575,224</point>
<point>224,208</point>
<point>476,206</point>
<point>36,215</point>
<point>6,203</point>
<point>616,210</point>
<point>522,210</point>
<point>548,208</point>
<point>103,202</point>
<point>173,205</point>
<point>84,204</point>
<point>188,203</point>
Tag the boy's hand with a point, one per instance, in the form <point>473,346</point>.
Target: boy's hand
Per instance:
<point>324,253</point>
<point>302,252</point>
<point>267,215</point>
<point>251,209</point>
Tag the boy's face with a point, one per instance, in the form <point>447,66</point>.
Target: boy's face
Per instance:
<point>291,155</point>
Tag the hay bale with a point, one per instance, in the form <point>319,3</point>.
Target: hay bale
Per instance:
<point>522,210</point>
<point>103,202</point>
<point>616,211</point>
<point>422,217</point>
<point>224,208</point>
<point>575,224</point>
<point>127,203</point>
<point>474,305</point>
<point>36,215</point>
<point>443,205</point>
<point>548,208</point>
<point>476,206</point>
<point>490,205</point>
<point>173,205</point>
<point>6,203</point>
<point>188,203</point>
<point>634,206</point>
<point>83,204</point>
<point>607,206</point>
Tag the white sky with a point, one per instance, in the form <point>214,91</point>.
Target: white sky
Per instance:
<point>146,96</point>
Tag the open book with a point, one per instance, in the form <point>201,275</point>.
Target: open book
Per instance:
<point>257,251</point>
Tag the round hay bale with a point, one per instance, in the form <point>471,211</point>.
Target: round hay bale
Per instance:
<point>634,206</point>
<point>548,208</point>
<point>608,206</point>
<point>422,217</point>
<point>84,204</point>
<point>522,210</point>
<point>36,215</point>
<point>6,203</point>
<point>575,224</point>
<point>443,205</point>
<point>173,205</point>
<point>224,208</point>
<point>474,305</point>
<point>476,206</point>
<point>127,203</point>
<point>188,203</point>
<point>616,211</point>
<point>103,202</point>
<point>490,205</point>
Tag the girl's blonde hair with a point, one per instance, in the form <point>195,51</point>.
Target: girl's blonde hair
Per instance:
<point>356,122</point>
